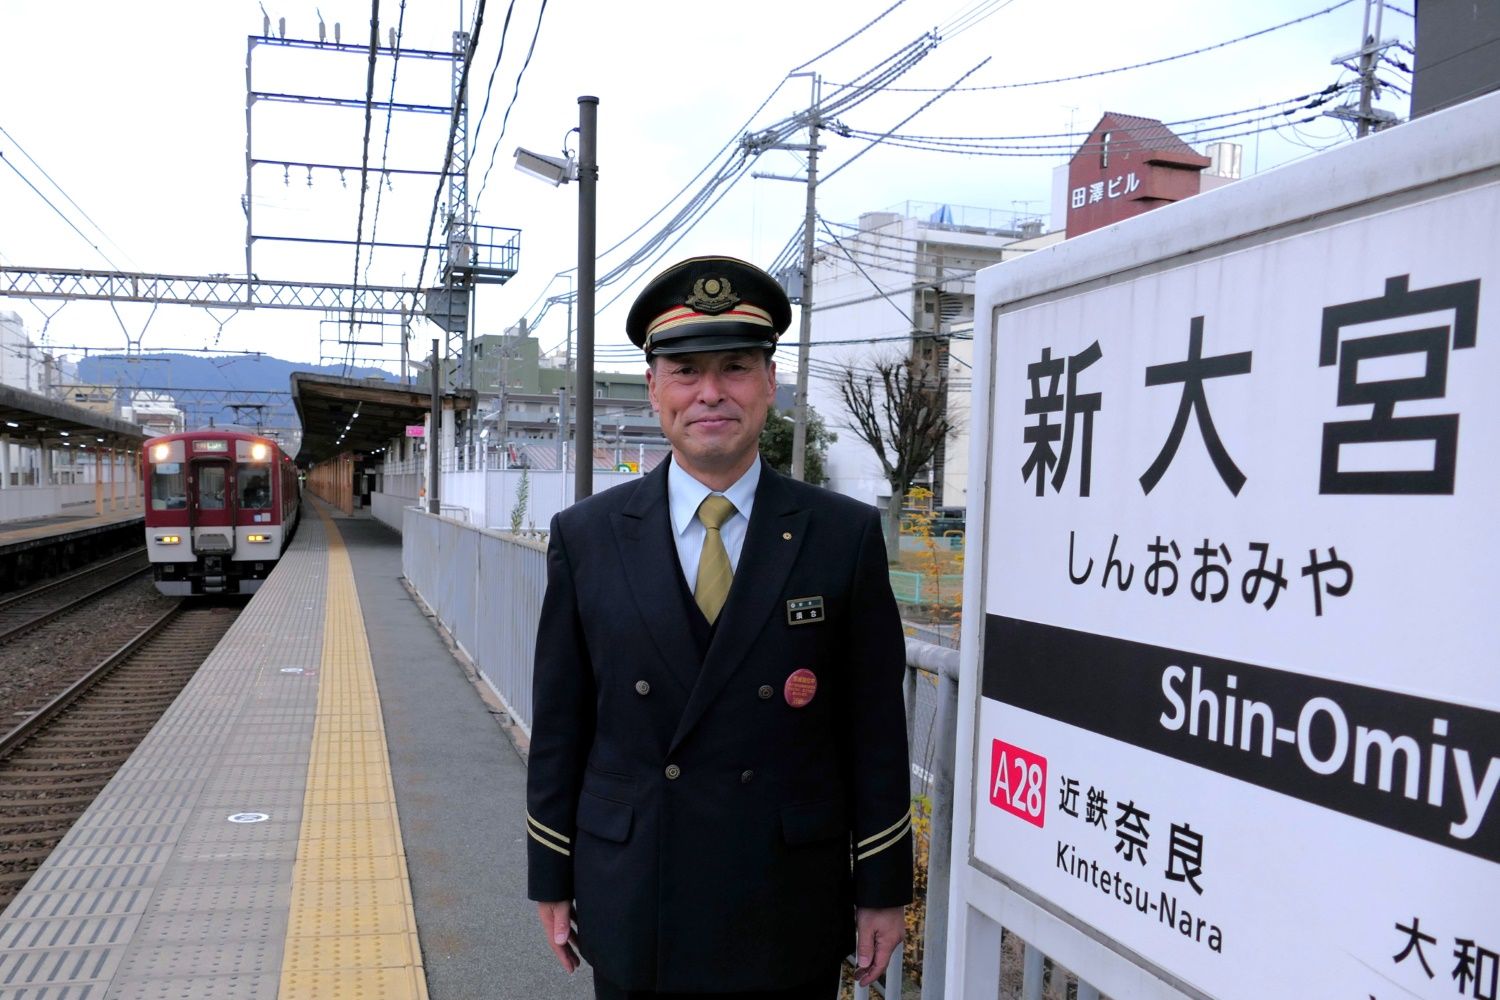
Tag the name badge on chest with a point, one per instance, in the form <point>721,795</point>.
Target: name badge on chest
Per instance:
<point>804,610</point>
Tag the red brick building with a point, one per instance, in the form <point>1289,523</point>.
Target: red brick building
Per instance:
<point>1128,165</point>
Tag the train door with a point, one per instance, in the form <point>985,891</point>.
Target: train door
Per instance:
<point>211,518</point>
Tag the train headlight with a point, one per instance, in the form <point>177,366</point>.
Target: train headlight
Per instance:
<point>160,452</point>
<point>168,539</point>
<point>259,451</point>
<point>257,538</point>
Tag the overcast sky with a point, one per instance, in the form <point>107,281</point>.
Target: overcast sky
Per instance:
<point>137,112</point>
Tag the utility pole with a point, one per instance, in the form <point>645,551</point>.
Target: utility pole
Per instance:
<point>809,224</point>
<point>1367,54</point>
<point>588,179</point>
<point>1366,117</point>
<point>434,434</point>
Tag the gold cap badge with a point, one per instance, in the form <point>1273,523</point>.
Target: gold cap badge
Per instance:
<point>712,295</point>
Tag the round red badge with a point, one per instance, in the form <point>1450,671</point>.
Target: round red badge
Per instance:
<point>800,687</point>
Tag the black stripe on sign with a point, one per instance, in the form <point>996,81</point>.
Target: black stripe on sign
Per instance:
<point>1321,741</point>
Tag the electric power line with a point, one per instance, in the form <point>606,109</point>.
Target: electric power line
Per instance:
<point>61,190</point>
<point>847,39</point>
<point>27,181</point>
<point>1139,65</point>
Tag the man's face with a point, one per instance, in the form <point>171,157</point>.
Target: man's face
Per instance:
<point>712,407</point>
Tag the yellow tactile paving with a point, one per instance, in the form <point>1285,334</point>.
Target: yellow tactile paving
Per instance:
<point>351,932</point>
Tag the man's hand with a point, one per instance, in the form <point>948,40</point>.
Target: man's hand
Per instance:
<point>880,931</point>
<point>557,924</point>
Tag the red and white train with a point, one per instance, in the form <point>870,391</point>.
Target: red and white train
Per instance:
<point>221,506</point>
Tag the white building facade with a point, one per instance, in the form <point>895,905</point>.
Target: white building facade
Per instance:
<point>901,284</point>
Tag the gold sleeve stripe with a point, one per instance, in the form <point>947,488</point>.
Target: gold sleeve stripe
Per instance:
<point>547,843</point>
<point>531,820</point>
<point>886,832</point>
<point>898,838</point>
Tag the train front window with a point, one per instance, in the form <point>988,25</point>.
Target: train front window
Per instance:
<point>255,487</point>
<point>210,487</point>
<point>168,486</point>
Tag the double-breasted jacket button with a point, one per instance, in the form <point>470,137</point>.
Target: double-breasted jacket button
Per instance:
<point>673,772</point>
<point>746,777</point>
<point>642,687</point>
<point>765,692</point>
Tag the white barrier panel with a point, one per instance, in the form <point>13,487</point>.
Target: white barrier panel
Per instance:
<point>485,587</point>
<point>22,502</point>
<point>387,508</point>
<point>1232,718</point>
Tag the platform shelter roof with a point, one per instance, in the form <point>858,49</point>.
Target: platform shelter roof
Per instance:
<point>327,405</point>
<point>29,417</point>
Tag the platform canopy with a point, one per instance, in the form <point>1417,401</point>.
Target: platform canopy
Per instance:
<point>327,406</point>
<point>27,417</point>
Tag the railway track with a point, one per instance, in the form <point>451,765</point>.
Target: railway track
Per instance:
<point>40,604</point>
<point>55,762</point>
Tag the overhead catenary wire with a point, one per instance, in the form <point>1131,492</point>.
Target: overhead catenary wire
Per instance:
<point>515,94</point>
<point>448,152</point>
<point>364,166</point>
<point>385,145</point>
<point>489,86</point>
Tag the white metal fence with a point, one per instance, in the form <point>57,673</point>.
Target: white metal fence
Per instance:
<point>485,587</point>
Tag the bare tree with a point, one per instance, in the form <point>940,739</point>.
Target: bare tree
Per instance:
<point>898,409</point>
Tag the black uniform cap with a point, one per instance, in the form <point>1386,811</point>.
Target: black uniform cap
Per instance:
<point>708,304</point>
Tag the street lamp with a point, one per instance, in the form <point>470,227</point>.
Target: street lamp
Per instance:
<point>585,170</point>
<point>552,169</point>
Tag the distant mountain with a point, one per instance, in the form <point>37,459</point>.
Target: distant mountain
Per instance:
<point>204,387</point>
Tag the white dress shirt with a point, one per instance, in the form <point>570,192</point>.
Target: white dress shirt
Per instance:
<point>685,494</point>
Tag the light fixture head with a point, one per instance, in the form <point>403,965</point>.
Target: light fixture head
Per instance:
<point>554,170</point>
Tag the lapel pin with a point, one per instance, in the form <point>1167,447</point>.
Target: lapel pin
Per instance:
<point>786,536</point>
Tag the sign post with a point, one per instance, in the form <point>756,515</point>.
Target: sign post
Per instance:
<point>1232,712</point>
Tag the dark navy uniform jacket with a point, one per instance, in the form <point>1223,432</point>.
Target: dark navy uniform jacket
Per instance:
<point>713,836</point>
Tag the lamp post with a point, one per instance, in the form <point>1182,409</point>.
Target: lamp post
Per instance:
<point>585,170</point>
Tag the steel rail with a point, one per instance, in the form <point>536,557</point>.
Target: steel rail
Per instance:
<point>50,585</point>
<point>38,719</point>
<point>73,605</point>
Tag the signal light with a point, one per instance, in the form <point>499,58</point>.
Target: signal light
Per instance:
<point>257,538</point>
<point>168,539</point>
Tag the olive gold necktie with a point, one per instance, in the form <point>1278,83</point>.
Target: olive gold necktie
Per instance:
<point>714,572</point>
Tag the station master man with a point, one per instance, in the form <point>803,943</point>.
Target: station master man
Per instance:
<point>718,791</point>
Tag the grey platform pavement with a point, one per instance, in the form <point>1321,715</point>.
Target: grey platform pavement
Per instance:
<point>154,895</point>
<point>461,791</point>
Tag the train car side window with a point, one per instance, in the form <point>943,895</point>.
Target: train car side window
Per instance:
<point>168,487</point>
<point>255,487</point>
<point>210,487</point>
